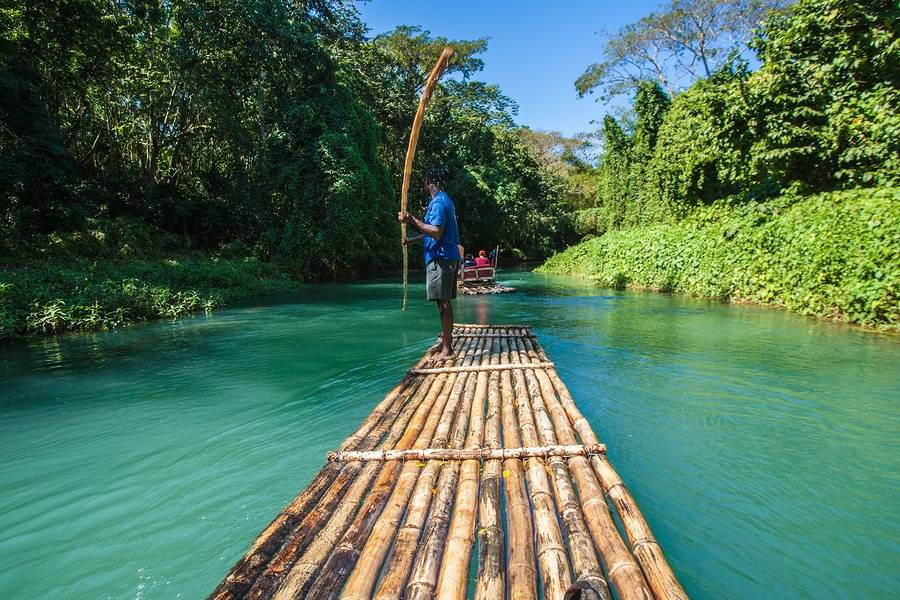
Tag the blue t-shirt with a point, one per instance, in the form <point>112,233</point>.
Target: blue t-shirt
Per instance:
<point>441,211</point>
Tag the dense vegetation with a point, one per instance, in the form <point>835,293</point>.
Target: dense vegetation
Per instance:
<point>767,152</point>
<point>829,255</point>
<point>271,131</point>
<point>158,158</point>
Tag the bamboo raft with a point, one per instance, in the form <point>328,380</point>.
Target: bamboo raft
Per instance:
<point>475,289</point>
<point>480,464</point>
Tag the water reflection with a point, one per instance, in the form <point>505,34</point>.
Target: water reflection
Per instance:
<point>483,311</point>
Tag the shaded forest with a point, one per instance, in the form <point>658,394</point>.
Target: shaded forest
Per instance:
<point>270,129</point>
<point>161,158</point>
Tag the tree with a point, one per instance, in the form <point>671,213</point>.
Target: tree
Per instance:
<point>613,193</point>
<point>388,72</point>
<point>687,40</point>
<point>273,126</point>
<point>569,159</point>
<point>825,99</point>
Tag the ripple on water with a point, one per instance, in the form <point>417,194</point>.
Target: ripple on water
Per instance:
<point>763,447</point>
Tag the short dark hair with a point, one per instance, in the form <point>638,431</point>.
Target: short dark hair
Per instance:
<point>436,175</point>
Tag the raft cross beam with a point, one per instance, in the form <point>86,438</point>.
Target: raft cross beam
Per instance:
<point>477,368</point>
<point>469,453</point>
<point>488,446</point>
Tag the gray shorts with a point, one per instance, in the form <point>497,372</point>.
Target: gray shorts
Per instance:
<point>440,279</point>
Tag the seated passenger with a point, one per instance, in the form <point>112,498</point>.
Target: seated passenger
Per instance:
<point>482,260</point>
<point>470,262</point>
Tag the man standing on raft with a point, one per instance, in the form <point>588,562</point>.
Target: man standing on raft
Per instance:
<point>440,236</point>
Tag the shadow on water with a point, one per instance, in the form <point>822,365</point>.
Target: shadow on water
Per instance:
<point>763,447</point>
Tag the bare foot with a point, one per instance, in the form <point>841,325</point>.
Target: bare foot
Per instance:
<point>444,355</point>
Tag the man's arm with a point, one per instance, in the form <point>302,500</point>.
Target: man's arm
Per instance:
<point>412,240</point>
<point>433,231</point>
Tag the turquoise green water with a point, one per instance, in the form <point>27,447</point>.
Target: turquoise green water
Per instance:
<point>763,447</point>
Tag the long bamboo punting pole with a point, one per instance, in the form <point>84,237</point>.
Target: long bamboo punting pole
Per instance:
<point>344,557</point>
<point>424,575</point>
<point>491,580</point>
<point>520,564</point>
<point>622,570</point>
<point>455,567</point>
<point>254,561</point>
<point>362,580</point>
<point>646,549</point>
<point>301,575</point>
<point>433,77</point>
<point>553,560</point>
<point>581,548</point>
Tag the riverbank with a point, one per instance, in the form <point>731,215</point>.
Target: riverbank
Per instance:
<point>57,296</point>
<point>104,290</point>
<point>834,255</point>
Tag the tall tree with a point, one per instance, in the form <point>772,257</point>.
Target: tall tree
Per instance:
<point>686,40</point>
<point>569,159</point>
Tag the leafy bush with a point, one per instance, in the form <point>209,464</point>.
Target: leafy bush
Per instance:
<point>589,222</point>
<point>831,255</point>
<point>819,114</point>
<point>825,99</point>
<point>52,298</point>
<point>702,150</point>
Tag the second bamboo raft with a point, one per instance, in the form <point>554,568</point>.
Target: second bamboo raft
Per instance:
<point>486,288</point>
<point>463,469</point>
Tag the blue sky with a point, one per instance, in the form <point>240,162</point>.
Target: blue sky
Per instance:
<point>535,52</point>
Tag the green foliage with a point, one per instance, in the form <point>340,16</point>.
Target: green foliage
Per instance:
<point>819,114</point>
<point>589,222</point>
<point>274,125</point>
<point>263,140</point>
<point>614,193</point>
<point>504,196</point>
<point>623,168</point>
<point>825,100</point>
<point>702,150</point>
<point>55,297</point>
<point>713,193</point>
<point>833,255</point>
<point>217,121</point>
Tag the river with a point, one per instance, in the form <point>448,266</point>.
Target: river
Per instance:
<point>762,446</point>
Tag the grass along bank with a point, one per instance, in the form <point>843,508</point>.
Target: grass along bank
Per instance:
<point>834,255</point>
<point>51,297</point>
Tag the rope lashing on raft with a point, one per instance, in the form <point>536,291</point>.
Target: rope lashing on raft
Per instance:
<point>504,326</point>
<point>487,335</point>
<point>439,67</point>
<point>478,368</point>
<point>470,453</point>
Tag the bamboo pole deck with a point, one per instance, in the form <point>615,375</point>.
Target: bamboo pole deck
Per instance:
<point>474,477</point>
